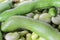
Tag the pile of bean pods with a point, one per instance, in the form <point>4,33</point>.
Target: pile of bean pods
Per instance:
<point>30,20</point>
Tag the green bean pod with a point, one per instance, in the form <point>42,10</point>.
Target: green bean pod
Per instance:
<point>24,7</point>
<point>29,6</point>
<point>5,5</point>
<point>40,28</point>
<point>55,3</point>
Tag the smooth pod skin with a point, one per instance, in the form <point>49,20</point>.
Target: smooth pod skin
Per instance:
<point>55,3</point>
<point>21,9</point>
<point>29,6</point>
<point>40,28</point>
<point>5,5</point>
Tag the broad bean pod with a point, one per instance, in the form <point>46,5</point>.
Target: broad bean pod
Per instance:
<point>29,6</point>
<point>5,5</point>
<point>40,28</point>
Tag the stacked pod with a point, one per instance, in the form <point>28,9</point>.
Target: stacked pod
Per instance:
<point>38,24</point>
